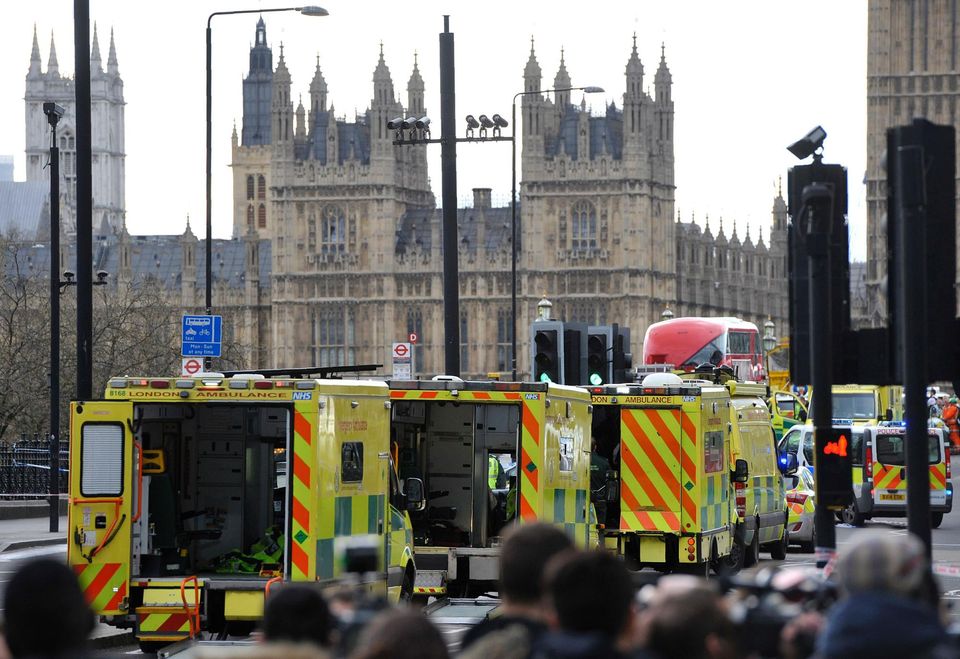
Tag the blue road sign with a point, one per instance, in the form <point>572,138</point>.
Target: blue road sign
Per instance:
<point>201,336</point>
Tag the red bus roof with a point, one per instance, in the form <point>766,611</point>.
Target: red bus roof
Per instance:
<point>676,340</point>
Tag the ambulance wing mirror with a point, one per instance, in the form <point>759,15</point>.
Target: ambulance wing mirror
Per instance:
<point>416,500</point>
<point>613,487</point>
<point>740,472</point>
<point>788,464</point>
<point>889,415</point>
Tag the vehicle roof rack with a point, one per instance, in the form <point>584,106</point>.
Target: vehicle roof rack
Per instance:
<point>322,372</point>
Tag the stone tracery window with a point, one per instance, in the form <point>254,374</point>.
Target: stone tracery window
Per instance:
<point>333,229</point>
<point>583,226</point>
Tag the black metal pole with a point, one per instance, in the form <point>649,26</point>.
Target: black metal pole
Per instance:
<point>448,160</point>
<point>818,230</point>
<point>912,305</point>
<point>513,240</point>
<point>208,294</point>
<point>54,436</point>
<point>81,43</point>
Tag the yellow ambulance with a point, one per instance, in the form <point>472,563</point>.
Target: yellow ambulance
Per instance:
<point>699,485</point>
<point>489,454</point>
<point>191,497</point>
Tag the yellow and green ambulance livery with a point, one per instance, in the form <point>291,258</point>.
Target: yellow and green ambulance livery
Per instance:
<point>190,498</point>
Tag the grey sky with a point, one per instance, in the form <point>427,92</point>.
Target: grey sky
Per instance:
<point>749,78</point>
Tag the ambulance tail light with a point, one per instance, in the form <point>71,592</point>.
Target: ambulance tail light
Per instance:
<point>868,465</point>
<point>947,462</point>
<point>281,384</point>
<point>740,494</point>
<point>159,384</point>
<point>137,382</point>
<point>263,384</point>
<point>797,497</point>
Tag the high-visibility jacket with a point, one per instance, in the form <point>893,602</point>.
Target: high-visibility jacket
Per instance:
<point>950,417</point>
<point>495,478</point>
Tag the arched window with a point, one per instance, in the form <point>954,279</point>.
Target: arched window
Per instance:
<point>333,229</point>
<point>250,217</point>
<point>250,187</point>
<point>262,217</point>
<point>261,187</point>
<point>583,234</point>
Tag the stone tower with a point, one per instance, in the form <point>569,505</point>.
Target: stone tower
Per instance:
<point>107,137</point>
<point>913,59</point>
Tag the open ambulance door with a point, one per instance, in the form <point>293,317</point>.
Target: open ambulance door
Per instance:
<point>650,469</point>
<point>104,501</point>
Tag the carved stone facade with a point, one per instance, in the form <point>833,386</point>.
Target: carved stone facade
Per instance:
<point>913,59</point>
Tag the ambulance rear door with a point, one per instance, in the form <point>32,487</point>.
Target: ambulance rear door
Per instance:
<point>104,501</point>
<point>650,477</point>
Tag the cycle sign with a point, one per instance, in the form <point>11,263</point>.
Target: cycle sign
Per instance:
<point>201,336</point>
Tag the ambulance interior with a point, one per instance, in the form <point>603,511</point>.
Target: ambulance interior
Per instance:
<point>213,489</point>
<point>605,430</point>
<point>466,455</point>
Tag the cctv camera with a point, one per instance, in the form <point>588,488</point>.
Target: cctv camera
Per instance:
<point>69,275</point>
<point>409,123</point>
<point>500,121</point>
<point>485,121</point>
<point>51,108</point>
<point>102,274</point>
<point>809,143</point>
<point>423,123</point>
<point>472,122</point>
<point>395,124</point>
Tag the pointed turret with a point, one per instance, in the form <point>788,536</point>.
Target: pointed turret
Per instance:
<point>318,94</point>
<point>562,81</point>
<point>257,126</point>
<point>53,69</point>
<point>634,74</point>
<point>34,70</point>
<point>415,89</point>
<point>382,83</point>
<point>532,76</point>
<point>663,81</point>
<point>281,106</point>
<point>333,139</point>
<point>96,62</point>
<point>301,129</point>
<point>112,66</point>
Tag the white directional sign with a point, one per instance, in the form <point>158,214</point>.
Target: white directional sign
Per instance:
<point>191,366</point>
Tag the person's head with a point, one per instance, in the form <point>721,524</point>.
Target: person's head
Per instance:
<point>953,400</point>
<point>689,623</point>
<point>589,591</point>
<point>43,591</point>
<point>878,562</point>
<point>400,634</point>
<point>525,552</point>
<point>297,613</point>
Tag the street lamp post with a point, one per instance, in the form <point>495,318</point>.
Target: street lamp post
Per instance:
<point>769,343</point>
<point>306,11</point>
<point>513,212</point>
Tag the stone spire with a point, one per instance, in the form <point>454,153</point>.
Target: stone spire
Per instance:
<point>34,70</point>
<point>281,106</point>
<point>112,66</point>
<point>301,128</point>
<point>415,89</point>
<point>663,81</point>
<point>634,74</point>
<point>382,83</point>
<point>532,75</point>
<point>318,94</point>
<point>96,62</point>
<point>53,69</point>
<point>562,81</point>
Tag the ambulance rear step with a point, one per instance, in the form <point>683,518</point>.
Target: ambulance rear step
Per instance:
<point>430,582</point>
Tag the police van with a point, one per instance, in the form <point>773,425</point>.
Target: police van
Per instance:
<point>879,470</point>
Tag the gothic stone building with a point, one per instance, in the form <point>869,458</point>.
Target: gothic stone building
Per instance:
<point>337,239</point>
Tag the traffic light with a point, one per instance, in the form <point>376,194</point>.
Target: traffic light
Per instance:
<point>599,355</point>
<point>574,357</point>
<point>547,351</point>
<point>622,358</point>
<point>833,465</point>
<point>921,196</point>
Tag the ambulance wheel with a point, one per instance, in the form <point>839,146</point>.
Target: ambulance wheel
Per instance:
<point>810,547</point>
<point>850,515</point>
<point>731,563</point>
<point>752,555</point>
<point>151,647</point>
<point>406,588</point>
<point>936,519</point>
<point>778,550</point>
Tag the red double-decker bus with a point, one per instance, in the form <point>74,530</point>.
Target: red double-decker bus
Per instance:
<point>689,342</point>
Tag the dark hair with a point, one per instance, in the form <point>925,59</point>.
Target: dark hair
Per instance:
<point>681,623</point>
<point>41,592</point>
<point>299,614</point>
<point>591,591</point>
<point>401,634</point>
<point>525,552</point>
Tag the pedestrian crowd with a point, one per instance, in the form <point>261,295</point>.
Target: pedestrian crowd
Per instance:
<point>561,603</point>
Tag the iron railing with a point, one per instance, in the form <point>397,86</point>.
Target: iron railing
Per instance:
<point>25,468</point>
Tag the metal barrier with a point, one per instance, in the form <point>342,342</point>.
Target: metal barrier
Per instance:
<point>25,468</point>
